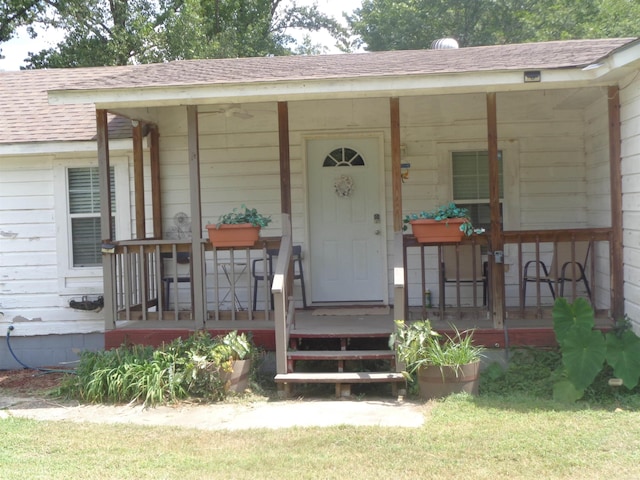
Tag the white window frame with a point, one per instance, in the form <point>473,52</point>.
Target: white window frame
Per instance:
<point>86,280</point>
<point>510,176</point>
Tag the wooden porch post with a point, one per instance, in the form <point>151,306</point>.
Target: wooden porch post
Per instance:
<point>138,179</point>
<point>197,260</point>
<point>399,287</point>
<point>285,159</point>
<point>496,239</point>
<point>285,174</point>
<point>156,192</point>
<point>396,162</point>
<point>106,232</point>
<point>617,270</point>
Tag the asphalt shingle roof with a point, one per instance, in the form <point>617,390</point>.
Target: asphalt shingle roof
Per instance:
<point>26,116</point>
<point>545,55</point>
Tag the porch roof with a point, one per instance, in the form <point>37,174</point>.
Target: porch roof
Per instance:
<point>393,72</point>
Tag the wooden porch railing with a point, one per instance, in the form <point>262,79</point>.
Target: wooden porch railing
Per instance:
<point>424,271</point>
<point>284,305</point>
<point>154,280</point>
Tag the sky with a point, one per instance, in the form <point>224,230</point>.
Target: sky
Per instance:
<point>18,48</point>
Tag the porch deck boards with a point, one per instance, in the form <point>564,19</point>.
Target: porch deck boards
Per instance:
<point>527,330</point>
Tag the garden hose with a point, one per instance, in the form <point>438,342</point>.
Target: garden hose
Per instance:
<point>43,370</point>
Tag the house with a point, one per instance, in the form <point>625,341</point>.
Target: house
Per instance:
<point>537,140</point>
<point>41,146</point>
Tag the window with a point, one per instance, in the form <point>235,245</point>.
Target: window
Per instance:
<point>343,157</point>
<point>470,175</point>
<point>84,215</point>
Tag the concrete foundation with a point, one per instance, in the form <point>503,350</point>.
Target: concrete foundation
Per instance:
<point>48,350</point>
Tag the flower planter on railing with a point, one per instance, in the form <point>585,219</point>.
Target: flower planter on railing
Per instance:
<point>233,235</point>
<point>438,231</point>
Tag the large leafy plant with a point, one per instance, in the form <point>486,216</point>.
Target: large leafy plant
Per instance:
<point>443,213</point>
<point>585,350</point>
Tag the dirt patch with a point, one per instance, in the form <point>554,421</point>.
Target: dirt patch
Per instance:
<point>26,393</point>
<point>27,382</point>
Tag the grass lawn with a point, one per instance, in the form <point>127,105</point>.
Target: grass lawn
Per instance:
<point>486,437</point>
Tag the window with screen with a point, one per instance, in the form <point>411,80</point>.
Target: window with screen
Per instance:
<point>470,175</point>
<point>84,215</point>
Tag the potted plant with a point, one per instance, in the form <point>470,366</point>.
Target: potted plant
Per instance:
<point>443,365</point>
<point>232,354</point>
<point>445,224</point>
<point>239,228</point>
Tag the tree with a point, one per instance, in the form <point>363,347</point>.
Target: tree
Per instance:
<point>15,13</point>
<point>118,32</point>
<point>415,24</point>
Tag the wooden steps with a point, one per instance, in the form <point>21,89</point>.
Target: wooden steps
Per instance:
<point>341,355</point>
<point>342,380</point>
<point>340,377</point>
<point>340,358</point>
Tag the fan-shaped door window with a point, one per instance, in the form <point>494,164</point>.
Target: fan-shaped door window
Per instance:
<point>343,157</point>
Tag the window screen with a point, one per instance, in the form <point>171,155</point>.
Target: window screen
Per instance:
<point>84,212</point>
<point>470,174</point>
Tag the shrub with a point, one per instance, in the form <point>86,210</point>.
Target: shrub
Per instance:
<point>183,368</point>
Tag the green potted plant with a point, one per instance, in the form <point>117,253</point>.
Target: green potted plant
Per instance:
<point>232,354</point>
<point>239,228</point>
<point>445,224</point>
<point>442,364</point>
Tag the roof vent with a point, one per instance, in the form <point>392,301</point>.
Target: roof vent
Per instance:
<point>444,43</point>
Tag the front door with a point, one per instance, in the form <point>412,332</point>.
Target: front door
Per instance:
<point>347,231</point>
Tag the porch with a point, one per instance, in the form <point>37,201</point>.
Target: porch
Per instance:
<point>530,330</point>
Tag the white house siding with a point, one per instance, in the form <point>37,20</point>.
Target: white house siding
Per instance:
<point>35,285</point>
<point>630,133</point>
<point>33,296</point>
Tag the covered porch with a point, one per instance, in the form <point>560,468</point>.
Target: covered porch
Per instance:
<point>550,182</point>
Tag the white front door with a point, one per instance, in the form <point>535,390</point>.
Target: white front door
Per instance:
<point>347,231</point>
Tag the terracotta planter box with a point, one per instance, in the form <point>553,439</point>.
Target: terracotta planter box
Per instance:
<point>435,382</point>
<point>240,235</point>
<point>437,231</point>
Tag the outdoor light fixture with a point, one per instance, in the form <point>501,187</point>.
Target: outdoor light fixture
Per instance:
<point>532,76</point>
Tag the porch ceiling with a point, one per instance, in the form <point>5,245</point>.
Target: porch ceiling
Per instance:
<point>397,73</point>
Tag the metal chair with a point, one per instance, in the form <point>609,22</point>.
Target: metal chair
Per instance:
<point>561,269</point>
<point>259,274</point>
<point>182,258</point>
<point>458,267</point>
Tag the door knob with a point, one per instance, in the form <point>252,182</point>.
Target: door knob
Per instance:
<point>377,232</point>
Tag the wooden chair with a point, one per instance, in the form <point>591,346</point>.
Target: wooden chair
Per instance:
<point>561,270</point>
<point>458,267</point>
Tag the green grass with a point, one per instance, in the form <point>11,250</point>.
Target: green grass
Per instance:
<point>492,436</point>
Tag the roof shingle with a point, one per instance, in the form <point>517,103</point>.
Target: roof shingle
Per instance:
<point>26,116</point>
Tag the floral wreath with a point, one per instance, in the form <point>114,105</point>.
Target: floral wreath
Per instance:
<point>343,186</point>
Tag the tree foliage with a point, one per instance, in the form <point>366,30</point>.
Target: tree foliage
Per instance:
<point>120,32</point>
<point>415,24</point>
<point>15,13</point>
